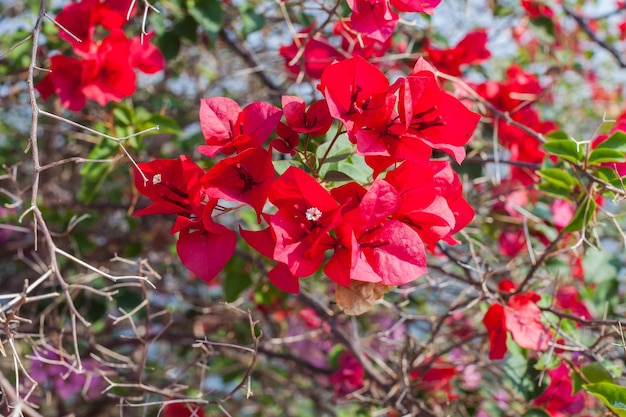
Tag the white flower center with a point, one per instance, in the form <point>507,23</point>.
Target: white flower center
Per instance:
<point>156,179</point>
<point>313,214</point>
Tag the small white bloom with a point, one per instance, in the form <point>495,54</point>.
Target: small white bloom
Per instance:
<point>156,179</point>
<point>313,214</point>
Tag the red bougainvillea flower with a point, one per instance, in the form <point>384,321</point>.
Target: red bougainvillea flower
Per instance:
<point>287,140</point>
<point>227,128</point>
<point>174,186</point>
<point>520,87</point>
<point>523,146</point>
<point>522,317</point>
<point>558,399</point>
<point>245,177</point>
<point>421,6</point>
<point>511,242</point>
<point>471,49</point>
<point>349,377</point>
<point>298,234</point>
<point>568,298</point>
<point>435,376</point>
<point>205,251</point>
<point>315,121</point>
<point>67,79</point>
<point>318,53</point>
<point>355,44</point>
<point>373,18</point>
<point>114,77</point>
<point>432,115</point>
<point>357,94</point>
<point>431,200</point>
<point>182,410</point>
<point>81,19</point>
<point>369,246</point>
<point>145,56</point>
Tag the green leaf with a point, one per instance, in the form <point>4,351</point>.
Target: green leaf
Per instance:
<point>558,176</point>
<point>595,372</point>
<point>557,134</point>
<point>237,279</point>
<point>187,28</point>
<point>341,149</point>
<point>583,215</point>
<point>565,149</point>
<point>169,44</point>
<point>208,14</point>
<point>555,189</point>
<point>521,374</point>
<point>597,156</point>
<point>252,21</point>
<point>611,395</point>
<point>356,168</point>
<point>536,412</point>
<point>94,174</point>
<point>616,142</point>
<point>166,124</point>
<point>124,114</point>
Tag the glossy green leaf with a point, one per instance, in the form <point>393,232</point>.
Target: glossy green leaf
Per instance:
<point>611,395</point>
<point>558,176</point>
<point>555,189</point>
<point>565,149</point>
<point>597,156</point>
<point>583,215</point>
<point>616,142</point>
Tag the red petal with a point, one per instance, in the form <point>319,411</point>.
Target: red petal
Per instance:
<point>495,323</point>
<point>205,254</point>
<point>283,279</point>
<point>523,320</point>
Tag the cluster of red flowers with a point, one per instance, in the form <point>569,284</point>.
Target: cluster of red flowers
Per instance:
<point>367,33</point>
<point>516,96</point>
<point>104,69</point>
<point>377,234</point>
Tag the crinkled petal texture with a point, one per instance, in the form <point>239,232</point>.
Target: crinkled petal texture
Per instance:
<point>357,93</point>
<point>431,200</point>
<point>306,213</point>
<point>522,317</point>
<point>523,320</point>
<point>369,246</point>
<point>245,177</point>
<point>206,252</point>
<point>173,185</point>
<point>434,116</point>
<point>374,19</point>
<point>298,233</point>
<point>227,128</point>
